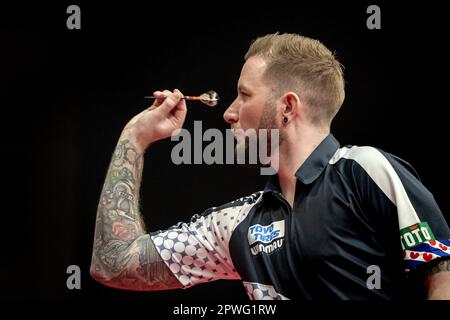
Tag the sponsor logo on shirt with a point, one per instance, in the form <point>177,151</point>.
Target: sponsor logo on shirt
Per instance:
<point>266,239</point>
<point>416,234</point>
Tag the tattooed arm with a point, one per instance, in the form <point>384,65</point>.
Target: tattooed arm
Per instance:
<point>123,254</point>
<point>438,281</point>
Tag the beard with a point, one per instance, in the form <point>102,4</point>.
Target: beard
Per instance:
<point>243,147</point>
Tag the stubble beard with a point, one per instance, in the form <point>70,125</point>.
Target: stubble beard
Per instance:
<point>267,122</point>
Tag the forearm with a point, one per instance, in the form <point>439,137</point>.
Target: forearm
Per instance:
<point>123,254</point>
<point>119,223</point>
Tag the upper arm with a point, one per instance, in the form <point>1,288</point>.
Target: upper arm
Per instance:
<point>198,251</point>
<point>438,281</point>
<point>134,266</point>
<point>179,257</point>
<point>391,191</point>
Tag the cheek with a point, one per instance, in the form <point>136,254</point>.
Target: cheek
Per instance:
<point>249,116</point>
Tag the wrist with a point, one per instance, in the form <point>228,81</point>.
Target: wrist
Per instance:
<point>136,139</point>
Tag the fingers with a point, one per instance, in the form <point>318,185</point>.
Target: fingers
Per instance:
<point>160,97</point>
<point>166,101</point>
<point>182,103</point>
<point>179,112</point>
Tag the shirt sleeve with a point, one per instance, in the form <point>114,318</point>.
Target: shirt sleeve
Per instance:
<point>424,233</point>
<point>198,251</point>
<point>393,188</point>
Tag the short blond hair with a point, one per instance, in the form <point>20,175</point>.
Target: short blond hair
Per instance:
<point>305,66</point>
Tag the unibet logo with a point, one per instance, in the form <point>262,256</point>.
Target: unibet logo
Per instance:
<point>416,234</point>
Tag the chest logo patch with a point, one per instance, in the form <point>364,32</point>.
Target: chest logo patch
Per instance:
<point>266,239</point>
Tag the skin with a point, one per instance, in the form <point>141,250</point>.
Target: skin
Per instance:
<point>299,136</point>
<point>438,281</point>
<point>123,254</point>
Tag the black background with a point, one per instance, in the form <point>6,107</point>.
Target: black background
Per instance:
<point>66,94</point>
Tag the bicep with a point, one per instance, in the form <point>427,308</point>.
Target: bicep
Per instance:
<point>136,266</point>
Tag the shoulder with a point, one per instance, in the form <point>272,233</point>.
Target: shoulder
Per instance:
<point>235,206</point>
<point>364,155</point>
<point>371,160</point>
<point>243,201</point>
<point>250,199</point>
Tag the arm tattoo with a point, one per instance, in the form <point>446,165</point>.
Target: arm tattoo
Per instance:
<point>443,265</point>
<point>123,255</point>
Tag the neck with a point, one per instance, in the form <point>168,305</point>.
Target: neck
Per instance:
<point>296,147</point>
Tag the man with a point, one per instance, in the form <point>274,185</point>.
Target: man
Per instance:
<point>339,223</point>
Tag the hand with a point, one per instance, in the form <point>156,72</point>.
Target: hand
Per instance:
<point>159,121</point>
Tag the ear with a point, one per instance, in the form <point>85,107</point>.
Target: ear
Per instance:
<point>291,105</point>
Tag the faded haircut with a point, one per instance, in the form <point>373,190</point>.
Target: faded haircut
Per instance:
<point>306,67</point>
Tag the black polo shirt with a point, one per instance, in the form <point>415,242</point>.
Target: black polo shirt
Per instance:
<point>360,223</point>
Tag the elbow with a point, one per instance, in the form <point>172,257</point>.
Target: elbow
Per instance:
<point>99,272</point>
<point>99,275</point>
<point>103,279</point>
<point>96,275</point>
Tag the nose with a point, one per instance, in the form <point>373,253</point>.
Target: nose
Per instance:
<point>231,115</point>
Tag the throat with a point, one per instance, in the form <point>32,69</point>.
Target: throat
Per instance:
<point>288,189</point>
<point>289,198</point>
